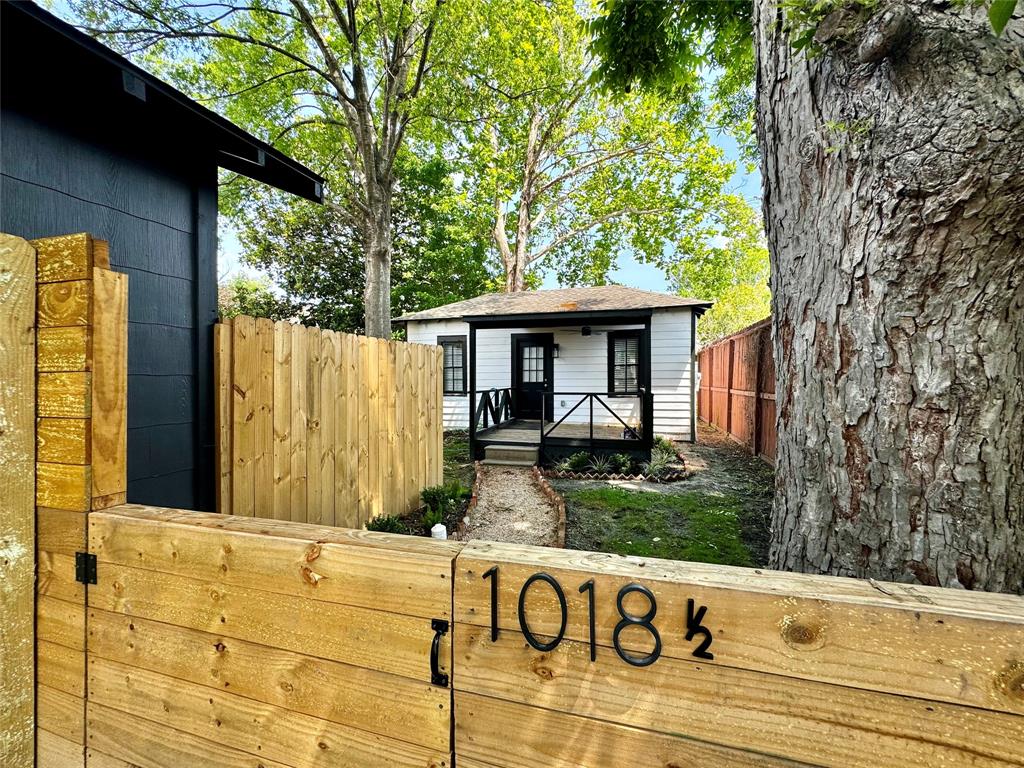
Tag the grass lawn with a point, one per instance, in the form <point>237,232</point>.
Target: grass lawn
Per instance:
<point>677,526</point>
<point>457,465</point>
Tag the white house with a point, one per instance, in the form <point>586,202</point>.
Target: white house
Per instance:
<point>602,368</point>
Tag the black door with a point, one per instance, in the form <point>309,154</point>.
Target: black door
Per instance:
<point>532,374</point>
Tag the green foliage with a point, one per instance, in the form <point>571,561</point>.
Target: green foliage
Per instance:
<point>578,462</point>
<point>431,518</point>
<point>248,296</point>
<point>999,13</point>
<point>664,445</point>
<point>445,498</point>
<point>602,465</point>
<point>731,270</point>
<point>623,463</point>
<point>315,255</point>
<point>802,17</point>
<point>660,463</point>
<point>685,526</point>
<point>387,524</point>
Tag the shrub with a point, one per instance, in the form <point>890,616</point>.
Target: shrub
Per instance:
<point>658,466</point>
<point>623,463</point>
<point>387,524</point>
<point>579,461</point>
<point>431,518</point>
<point>664,444</point>
<point>563,466</point>
<point>602,465</point>
<point>445,498</point>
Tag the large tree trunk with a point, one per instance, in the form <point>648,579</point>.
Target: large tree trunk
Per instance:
<point>893,167</point>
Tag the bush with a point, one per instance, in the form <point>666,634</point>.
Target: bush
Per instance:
<point>387,524</point>
<point>602,465</point>
<point>623,464</point>
<point>445,498</point>
<point>579,461</point>
<point>431,518</point>
<point>664,444</point>
<point>563,466</point>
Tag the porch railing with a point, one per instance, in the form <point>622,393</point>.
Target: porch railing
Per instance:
<point>492,410</point>
<point>640,432</point>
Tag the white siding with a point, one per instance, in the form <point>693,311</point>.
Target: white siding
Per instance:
<point>581,366</point>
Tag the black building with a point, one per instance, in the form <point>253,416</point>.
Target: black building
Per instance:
<point>91,143</point>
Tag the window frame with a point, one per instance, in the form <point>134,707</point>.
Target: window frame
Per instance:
<point>614,336</point>
<point>461,341</point>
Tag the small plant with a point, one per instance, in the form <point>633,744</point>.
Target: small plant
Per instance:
<point>622,463</point>
<point>602,465</point>
<point>386,524</point>
<point>579,461</point>
<point>563,466</point>
<point>664,444</point>
<point>658,466</point>
<point>431,518</point>
<point>445,498</point>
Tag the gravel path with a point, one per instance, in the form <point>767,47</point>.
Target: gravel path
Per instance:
<point>510,507</point>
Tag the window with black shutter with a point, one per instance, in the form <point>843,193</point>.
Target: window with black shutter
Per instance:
<point>624,362</point>
<point>454,364</point>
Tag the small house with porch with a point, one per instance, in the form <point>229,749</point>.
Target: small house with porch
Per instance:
<point>543,374</point>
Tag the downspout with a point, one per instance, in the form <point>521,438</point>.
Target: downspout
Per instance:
<point>693,376</point>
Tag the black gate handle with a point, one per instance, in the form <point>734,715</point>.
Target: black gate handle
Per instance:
<point>437,677</point>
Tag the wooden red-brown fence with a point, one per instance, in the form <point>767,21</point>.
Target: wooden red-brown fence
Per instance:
<point>737,388</point>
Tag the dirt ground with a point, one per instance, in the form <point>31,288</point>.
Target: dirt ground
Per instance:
<point>510,507</point>
<point>719,514</point>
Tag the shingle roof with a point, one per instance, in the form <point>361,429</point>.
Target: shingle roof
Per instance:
<point>598,299</point>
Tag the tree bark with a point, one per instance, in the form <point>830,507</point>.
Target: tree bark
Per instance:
<point>893,192</point>
<point>378,239</point>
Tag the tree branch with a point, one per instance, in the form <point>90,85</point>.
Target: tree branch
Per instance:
<point>589,225</point>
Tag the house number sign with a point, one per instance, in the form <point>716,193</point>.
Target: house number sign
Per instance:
<point>695,630</point>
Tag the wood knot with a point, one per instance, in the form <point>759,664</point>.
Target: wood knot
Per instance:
<point>219,647</point>
<point>287,687</point>
<point>310,576</point>
<point>802,635</point>
<point>541,670</point>
<point>1011,680</point>
<point>313,553</point>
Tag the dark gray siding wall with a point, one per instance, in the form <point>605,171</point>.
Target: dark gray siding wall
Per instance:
<point>159,215</point>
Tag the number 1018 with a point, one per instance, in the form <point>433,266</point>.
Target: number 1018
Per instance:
<point>694,617</point>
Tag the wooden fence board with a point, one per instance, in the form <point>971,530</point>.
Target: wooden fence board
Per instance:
<point>387,705</point>
<point>222,413</point>
<point>328,392</point>
<point>153,744</point>
<point>560,740</point>
<point>263,459</point>
<point>417,584</point>
<point>825,724</point>
<point>61,714</point>
<point>328,630</point>
<point>53,751</point>
<point>244,374</point>
<point>300,405</point>
<point>64,304</point>
<point>63,441</point>
<point>282,421</point>
<point>109,409</point>
<point>314,489</point>
<point>258,728</point>
<point>838,631</point>
<point>17,484</point>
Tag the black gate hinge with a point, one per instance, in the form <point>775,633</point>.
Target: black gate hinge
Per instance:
<point>85,567</point>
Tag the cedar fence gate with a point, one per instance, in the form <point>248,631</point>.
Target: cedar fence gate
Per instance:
<point>170,639</point>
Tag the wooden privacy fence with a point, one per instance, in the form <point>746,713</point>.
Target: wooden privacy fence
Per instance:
<point>323,427</point>
<point>219,640</point>
<point>737,388</point>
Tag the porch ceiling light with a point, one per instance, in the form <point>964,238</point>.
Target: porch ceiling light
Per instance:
<point>554,351</point>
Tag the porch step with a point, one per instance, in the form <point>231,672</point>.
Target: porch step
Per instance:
<point>513,455</point>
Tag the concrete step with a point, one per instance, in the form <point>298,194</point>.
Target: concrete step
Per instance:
<point>506,463</point>
<point>515,455</point>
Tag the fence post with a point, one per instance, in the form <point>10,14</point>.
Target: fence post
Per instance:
<point>756,447</point>
<point>729,387</point>
<point>81,450</point>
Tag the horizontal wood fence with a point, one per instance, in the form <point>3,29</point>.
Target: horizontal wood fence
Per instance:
<point>323,427</point>
<point>219,640</point>
<point>737,388</point>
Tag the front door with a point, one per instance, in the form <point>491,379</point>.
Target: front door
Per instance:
<point>532,374</point>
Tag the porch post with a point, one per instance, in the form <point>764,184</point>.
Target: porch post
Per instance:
<point>647,403</point>
<point>472,392</point>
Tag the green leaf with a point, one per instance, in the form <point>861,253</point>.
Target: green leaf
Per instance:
<point>999,14</point>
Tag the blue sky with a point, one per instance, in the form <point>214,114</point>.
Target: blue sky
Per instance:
<point>629,271</point>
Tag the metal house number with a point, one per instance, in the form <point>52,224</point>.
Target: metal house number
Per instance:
<point>695,629</point>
